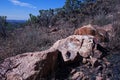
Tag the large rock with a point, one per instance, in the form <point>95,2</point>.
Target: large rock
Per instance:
<point>101,34</point>
<point>73,45</point>
<point>28,66</point>
<point>36,65</point>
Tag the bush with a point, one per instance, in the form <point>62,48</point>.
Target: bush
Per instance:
<point>101,20</point>
<point>29,39</point>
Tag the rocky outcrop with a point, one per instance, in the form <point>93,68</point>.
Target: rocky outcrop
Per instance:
<point>100,33</point>
<point>56,62</point>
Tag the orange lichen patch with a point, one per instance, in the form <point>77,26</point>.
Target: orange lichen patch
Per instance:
<point>85,30</point>
<point>100,34</point>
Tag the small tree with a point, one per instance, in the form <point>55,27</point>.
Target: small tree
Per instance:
<point>45,17</point>
<point>3,24</point>
<point>33,19</point>
<point>72,6</point>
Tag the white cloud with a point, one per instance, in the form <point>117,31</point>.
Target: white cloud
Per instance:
<point>19,3</point>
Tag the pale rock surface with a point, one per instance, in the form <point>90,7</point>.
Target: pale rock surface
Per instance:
<point>28,66</point>
<point>70,46</point>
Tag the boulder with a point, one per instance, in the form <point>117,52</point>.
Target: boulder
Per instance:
<point>75,45</point>
<point>38,65</point>
<point>28,66</point>
<point>101,34</point>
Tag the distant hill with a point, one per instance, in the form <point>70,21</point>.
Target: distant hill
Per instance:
<point>16,21</point>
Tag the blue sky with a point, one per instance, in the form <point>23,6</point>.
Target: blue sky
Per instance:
<point>20,9</point>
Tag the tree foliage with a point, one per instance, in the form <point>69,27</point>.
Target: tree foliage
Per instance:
<point>3,21</point>
<point>73,11</point>
<point>3,24</point>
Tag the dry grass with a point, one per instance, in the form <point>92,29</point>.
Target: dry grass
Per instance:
<point>29,39</point>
